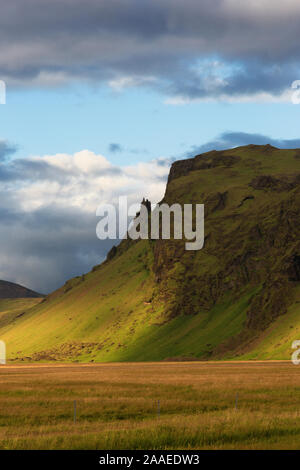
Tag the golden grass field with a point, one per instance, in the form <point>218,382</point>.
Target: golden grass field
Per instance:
<point>117,406</point>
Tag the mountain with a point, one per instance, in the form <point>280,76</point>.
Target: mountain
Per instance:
<point>238,297</point>
<point>15,300</point>
<point>9,290</point>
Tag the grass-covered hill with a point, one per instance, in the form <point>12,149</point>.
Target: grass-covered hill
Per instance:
<point>151,300</point>
<point>12,309</point>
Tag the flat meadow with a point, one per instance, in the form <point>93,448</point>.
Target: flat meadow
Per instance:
<point>164,405</point>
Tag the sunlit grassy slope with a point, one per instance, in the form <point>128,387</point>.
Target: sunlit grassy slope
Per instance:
<point>107,317</point>
<point>237,297</point>
<point>12,309</point>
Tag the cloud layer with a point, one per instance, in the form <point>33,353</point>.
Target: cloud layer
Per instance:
<point>187,50</point>
<point>48,212</point>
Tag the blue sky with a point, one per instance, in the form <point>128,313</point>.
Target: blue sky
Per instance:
<point>102,96</point>
<point>73,118</point>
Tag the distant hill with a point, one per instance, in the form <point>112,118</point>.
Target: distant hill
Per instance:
<point>9,290</point>
<point>238,297</point>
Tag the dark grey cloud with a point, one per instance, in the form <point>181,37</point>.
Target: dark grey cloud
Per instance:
<point>44,248</point>
<point>235,139</point>
<point>191,48</point>
<point>48,213</point>
<point>26,169</point>
<point>253,77</point>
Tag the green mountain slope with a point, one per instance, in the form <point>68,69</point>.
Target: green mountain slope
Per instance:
<point>152,300</point>
<point>12,309</point>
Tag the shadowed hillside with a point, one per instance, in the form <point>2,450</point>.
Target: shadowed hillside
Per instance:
<point>151,300</point>
<point>9,290</point>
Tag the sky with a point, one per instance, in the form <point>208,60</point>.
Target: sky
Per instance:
<point>102,96</point>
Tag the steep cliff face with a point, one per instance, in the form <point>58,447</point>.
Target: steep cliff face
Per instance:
<point>252,233</point>
<point>153,299</point>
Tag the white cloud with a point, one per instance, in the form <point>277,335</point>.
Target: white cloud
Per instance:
<point>262,97</point>
<point>48,212</point>
<point>87,179</point>
<point>120,83</point>
<point>258,9</point>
